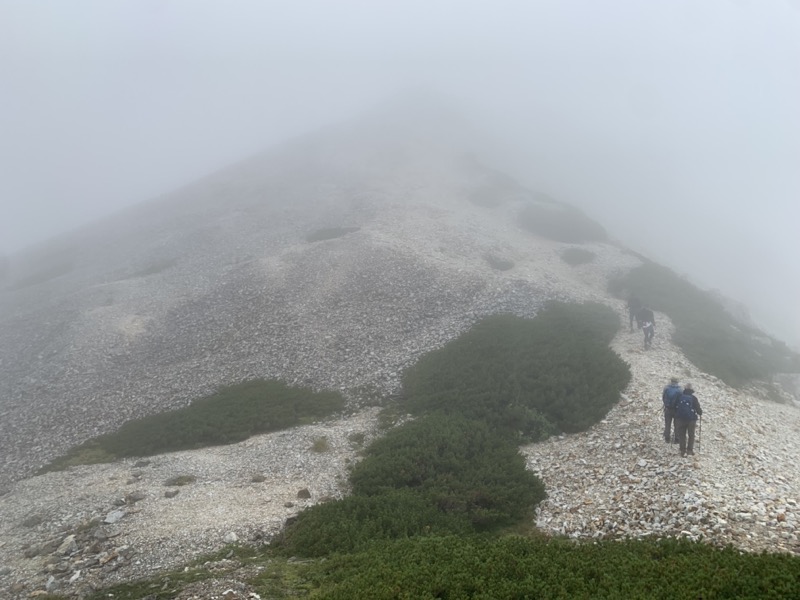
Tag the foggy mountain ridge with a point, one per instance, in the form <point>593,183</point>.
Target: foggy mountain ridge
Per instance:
<point>335,261</point>
<point>215,283</point>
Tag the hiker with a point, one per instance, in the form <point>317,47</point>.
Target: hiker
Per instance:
<point>668,397</point>
<point>687,409</point>
<point>634,306</point>
<point>647,321</point>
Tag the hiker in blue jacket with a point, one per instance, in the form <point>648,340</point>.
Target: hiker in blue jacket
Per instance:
<point>668,398</point>
<point>687,409</point>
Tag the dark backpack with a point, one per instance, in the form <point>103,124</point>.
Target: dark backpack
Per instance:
<point>684,408</point>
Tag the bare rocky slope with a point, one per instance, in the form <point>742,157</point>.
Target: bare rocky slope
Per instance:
<point>217,283</point>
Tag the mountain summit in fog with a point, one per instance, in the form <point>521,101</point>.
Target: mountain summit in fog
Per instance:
<point>334,262</point>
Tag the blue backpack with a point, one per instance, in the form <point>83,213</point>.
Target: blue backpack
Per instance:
<point>684,408</point>
<point>671,395</point>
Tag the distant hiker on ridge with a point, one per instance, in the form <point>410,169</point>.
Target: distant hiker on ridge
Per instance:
<point>634,306</point>
<point>668,398</point>
<point>647,321</point>
<point>687,409</point>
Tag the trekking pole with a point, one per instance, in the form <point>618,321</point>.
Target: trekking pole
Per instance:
<point>700,433</point>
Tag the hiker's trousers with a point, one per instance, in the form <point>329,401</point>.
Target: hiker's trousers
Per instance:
<point>669,415</point>
<point>682,428</point>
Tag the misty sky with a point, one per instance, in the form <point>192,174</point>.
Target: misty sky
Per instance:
<point>674,122</point>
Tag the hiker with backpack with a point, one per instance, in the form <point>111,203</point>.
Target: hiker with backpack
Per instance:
<point>687,410</point>
<point>647,321</point>
<point>668,399</point>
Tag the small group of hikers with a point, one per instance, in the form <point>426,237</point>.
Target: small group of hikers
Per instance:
<point>645,319</point>
<point>682,407</point>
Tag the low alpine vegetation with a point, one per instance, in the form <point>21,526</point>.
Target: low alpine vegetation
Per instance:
<point>230,415</point>
<point>577,256</point>
<point>512,567</point>
<point>499,263</point>
<point>180,480</point>
<point>529,378</point>
<point>560,222</point>
<point>704,331</point>
<point>436,475</point>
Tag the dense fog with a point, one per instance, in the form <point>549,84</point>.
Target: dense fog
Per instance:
<point>675,124</point>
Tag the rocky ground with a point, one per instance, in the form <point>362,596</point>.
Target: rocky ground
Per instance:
<point>72,531</point>
<point>741,487</point>
<point>250,298</point>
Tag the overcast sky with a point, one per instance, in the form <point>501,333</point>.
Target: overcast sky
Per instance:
<point>675,122</point>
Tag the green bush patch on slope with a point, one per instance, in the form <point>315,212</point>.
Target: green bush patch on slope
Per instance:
<point>577,256</point>
<point>560,222</point>
<point>509,568</point>
<point>434,476</point>
<point>230,415</point>
<point>708,336</point>
<point>499,263</point>
<point>528,377</point>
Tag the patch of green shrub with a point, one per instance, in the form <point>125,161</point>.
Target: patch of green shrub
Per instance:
<point>434,476</point>
<point>180,480</point>
<point>577,256</point>
<point>230,415</point>
<point>320,445</point>
<point>357,438</point>
<point>33,520</point>
<point>496,188</point>
<point>527,377</point>
<point>708,336</point>
<point>560,222</point>
<point>329,233</point>
<point>510,568</point>
<point>459,465</point>
<point>355,522</point>
<point>499,263</point>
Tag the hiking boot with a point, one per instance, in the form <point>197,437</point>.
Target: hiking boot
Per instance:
<point>690,453</point>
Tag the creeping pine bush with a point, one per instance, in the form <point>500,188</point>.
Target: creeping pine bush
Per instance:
<point>499,263</point>
<point>433,476</point>
<point>704,331</point>
<point>577,256</point>
<point>510,568</point>
<point>560,222</point>
<point>526,377</point>
<point>459,465</point>
<point>353,523</point>
<point>230,415</point>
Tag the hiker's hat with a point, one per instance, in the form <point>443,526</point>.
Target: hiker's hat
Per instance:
<point>688,387</point>
<point>674,380</point>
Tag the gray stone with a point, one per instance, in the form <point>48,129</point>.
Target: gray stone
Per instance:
<point>114,516</point>
<point>230,538</point>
